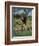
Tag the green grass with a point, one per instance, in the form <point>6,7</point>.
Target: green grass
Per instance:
<point>24,33</point>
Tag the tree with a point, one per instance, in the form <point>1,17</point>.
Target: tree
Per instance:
<point>24,16</point>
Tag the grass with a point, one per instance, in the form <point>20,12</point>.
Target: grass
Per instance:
<point>24,33</point>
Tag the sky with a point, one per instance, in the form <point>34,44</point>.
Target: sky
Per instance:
<point>21,10</point>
